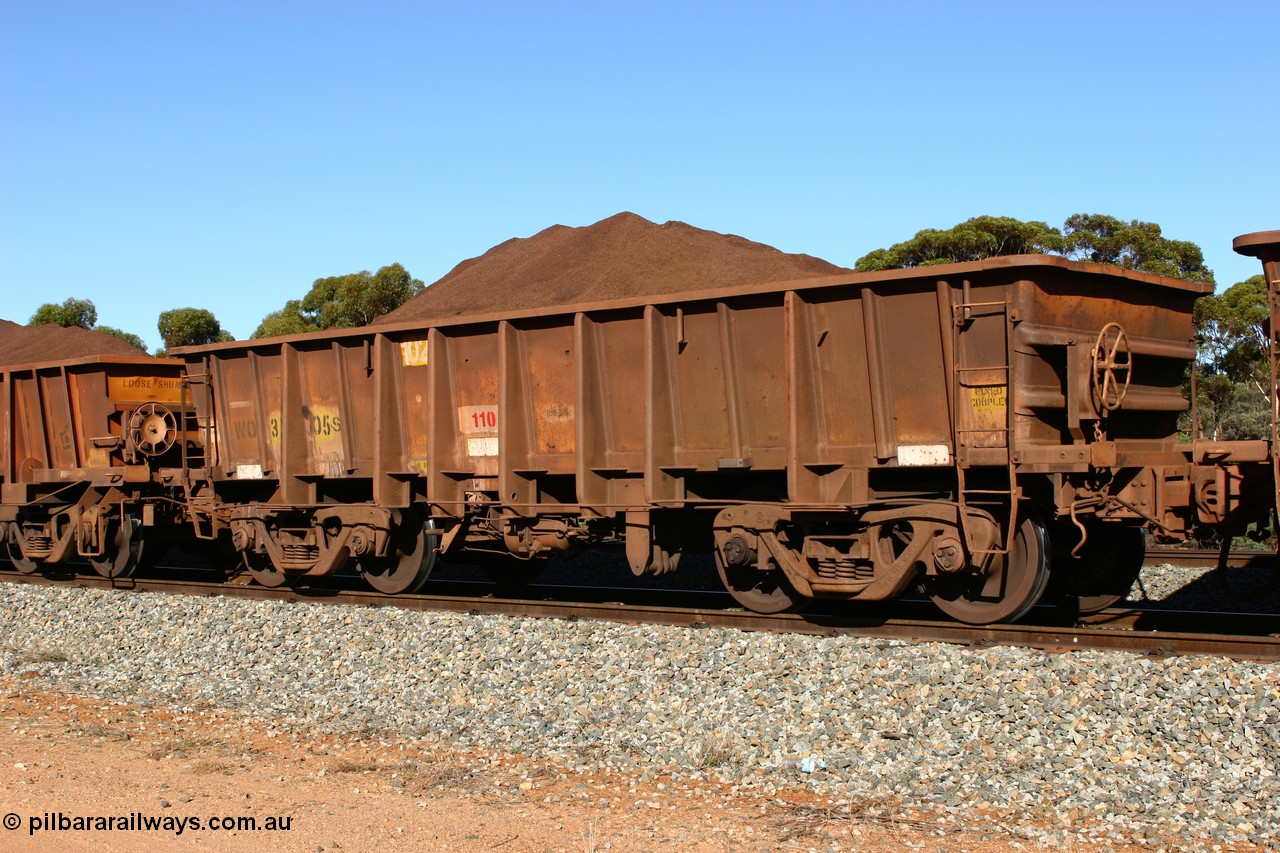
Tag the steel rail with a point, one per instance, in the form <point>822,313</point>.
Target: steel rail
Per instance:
<point>1127,631</point>
<point>1200,558</point>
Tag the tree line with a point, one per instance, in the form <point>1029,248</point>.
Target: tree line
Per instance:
<point>1233,380</point>
<point>342,301</point>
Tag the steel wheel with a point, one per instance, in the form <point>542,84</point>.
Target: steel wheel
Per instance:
<point>264,572</point>
<point>407,569</point>
<point>1104,572</point>
<point>120,557</point>
<point>761,592</point>
<point>1008,591</point>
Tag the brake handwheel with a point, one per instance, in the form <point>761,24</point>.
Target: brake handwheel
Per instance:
<point>152,429</point>
<point>1112,368</point>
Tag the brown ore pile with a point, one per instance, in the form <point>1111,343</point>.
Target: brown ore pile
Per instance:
<point>27,344</point>
<point>622,256</point>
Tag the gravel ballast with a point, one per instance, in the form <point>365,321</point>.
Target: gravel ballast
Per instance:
<point>1178,752</point>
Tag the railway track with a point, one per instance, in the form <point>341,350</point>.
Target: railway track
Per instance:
<point>1196,558</point>
<point>1148,632</point>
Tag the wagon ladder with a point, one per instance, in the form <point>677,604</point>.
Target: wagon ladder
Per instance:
<point>963,316</point>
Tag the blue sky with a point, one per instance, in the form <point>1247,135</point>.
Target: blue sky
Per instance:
<point>157,155</point>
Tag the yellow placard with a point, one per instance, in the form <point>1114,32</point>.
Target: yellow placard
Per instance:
<point>413,353</point>
<point>988,410</point>
<point>145,389</point>
<point>324,429</point>
<point>987,398</point>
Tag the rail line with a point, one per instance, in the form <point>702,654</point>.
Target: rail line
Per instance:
<point>1196,558</point>
<point>1147,632</point>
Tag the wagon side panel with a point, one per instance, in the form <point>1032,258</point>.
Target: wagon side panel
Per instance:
<point>612,408</point>
<point>832,433</point>
<point>247,415</point>
<point>538,413</point>
<point>463,415</point>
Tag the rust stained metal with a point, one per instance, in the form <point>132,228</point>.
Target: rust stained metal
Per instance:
<point>740,381</point>
<point>69,421</point>
<point>957,383</point>
<point>90,456</point>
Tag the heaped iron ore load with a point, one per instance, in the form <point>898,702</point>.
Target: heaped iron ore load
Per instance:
<point>982,431</point>
<point>29,344</point>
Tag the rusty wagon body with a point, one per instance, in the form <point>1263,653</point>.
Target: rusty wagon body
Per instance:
<point>91,458</point>
<point>960,427</point>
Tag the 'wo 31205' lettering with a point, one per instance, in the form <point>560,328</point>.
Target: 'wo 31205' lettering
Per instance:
<point>325,424</point>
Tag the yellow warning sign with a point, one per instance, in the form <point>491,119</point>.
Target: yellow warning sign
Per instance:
<point>145,389</point>
<point>413,353</point>
<point>988,398</point>
<point>988,410</point>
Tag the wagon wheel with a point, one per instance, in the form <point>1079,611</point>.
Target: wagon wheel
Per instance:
<point>1105,570</point>
<point>411,562</point>
<point>759,591</point>
<point>1111,360</point>
<point>21,563</point>
<point>264,572</point>
<point>1008,591</point>
<point>121,552</point>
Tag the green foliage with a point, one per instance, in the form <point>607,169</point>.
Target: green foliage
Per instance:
<point>1085,236</point>
<point>343,301</point>
<point>1249,416</point>
<point>971,240</point>
<point>1233,372</point>
<point>1133,245</point>
<point>287,321</point>
<point>73,312</point>
<point>1229,411</point>
<point>84,314</point>
<point>183,327</point>
<point>1230,332</point>
<point>127,337</point>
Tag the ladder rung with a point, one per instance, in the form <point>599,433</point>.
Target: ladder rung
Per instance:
<point>979,304</point>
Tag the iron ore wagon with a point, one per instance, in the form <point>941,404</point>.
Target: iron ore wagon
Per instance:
<point>967,429</point>
<point>93,460</point>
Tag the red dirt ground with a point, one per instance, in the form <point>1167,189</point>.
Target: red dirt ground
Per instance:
<point>78,757</point>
